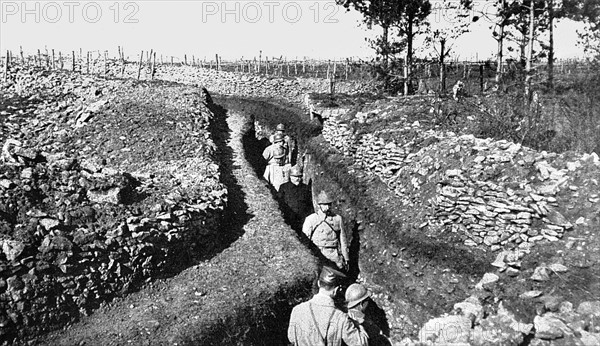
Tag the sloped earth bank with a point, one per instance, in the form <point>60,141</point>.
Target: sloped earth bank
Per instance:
<point>241,296</point>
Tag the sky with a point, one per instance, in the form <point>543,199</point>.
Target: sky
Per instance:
<point>233,29</point>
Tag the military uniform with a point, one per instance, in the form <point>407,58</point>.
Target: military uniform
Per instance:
<point>275,172</point>
<point>297,202</point>
<point>319,322</point>
<point>327,233</point>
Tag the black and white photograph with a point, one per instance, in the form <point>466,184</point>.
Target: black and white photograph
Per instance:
<point>300,172</point>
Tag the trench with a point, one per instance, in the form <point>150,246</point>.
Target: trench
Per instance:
<point>245,293</point>
<point>412,287</point>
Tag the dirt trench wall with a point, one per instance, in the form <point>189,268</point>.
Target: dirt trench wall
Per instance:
<point>76,231</point>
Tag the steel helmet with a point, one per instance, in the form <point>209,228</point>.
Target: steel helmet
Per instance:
<point>296,171</point>
<point>279,153</point>
<point>331,277</point>
<point>280,127</point>
<point>323,198</point>
<point>355,294</point>
<point>278,137</point>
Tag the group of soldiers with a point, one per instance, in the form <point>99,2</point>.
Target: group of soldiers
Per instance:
<point>323,228</point>
<point>323,320</point>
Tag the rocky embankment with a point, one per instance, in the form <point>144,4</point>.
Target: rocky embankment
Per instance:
<point>496,196</point>
<point>104,185</point>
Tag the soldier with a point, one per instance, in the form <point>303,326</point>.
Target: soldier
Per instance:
<point>358,299</point>
<point>325,229</point>
<point>297,199</point>
<point>275,155</point>
<point>319,322</point>
<point>289,144</point>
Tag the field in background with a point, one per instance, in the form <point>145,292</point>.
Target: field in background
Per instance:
<point>564,117</point>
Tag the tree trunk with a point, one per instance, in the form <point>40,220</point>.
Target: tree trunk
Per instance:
<point>529,69</point>
<point>551,44</point>
<point>442,67</point>
<point>500,43</point>
<point>385,51</point>
<point>409,58</point>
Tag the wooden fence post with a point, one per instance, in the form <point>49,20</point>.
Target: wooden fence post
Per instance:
<point>481,78</point>
<point>105,58</point>
<point>346,68</point>
<point>153,69</point>
<point>217,66</point>
<point>60,59</point>
<point>122,63</point>
<point>140,66</point>
<point>6,66</point>
<point>334,68</point>
<point>73,56</point>
<point>185,59</point>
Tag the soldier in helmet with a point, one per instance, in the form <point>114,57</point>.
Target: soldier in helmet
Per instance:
<point>358,300</point>
<point>296,198</point>
<point>319,322</point>
<point>289,144</point>
<point>275,155</point>
<point>325,229</point>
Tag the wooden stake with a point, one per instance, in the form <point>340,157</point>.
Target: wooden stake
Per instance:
<point>140,66</point>
<point>22,57</point>
<point>481,78</point>
<point>53,66</point>
<point>153,69</point>
<point>87,57</point>
<point>185,59</point>
<point>60,59</point>
<point>334,68</point>
<point>122,63</point>
<point>217,65</point>
<point>6,66</point>
<point>73,56</point>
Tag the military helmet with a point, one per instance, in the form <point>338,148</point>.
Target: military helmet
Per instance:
<point>280,127</point>
<point>355,294</point>
<point>331,277</point>
<point>279,153</point>
<point>296,171</point>
<point>278,137</point>
<point>323,198</point>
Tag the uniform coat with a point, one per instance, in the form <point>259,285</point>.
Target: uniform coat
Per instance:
<point>318,322</point>
<point>297,202</point>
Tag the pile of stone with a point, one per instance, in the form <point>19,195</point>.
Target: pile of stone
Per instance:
<point>80,224</point>
<point>502,195</point>
<point>557,322</point>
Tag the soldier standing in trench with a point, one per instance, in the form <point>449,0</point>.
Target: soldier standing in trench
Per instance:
<point>275,154</point>
<point>325,229</point>
<point>296,198</point>
<point>288,143</point>
<point>319,322</point>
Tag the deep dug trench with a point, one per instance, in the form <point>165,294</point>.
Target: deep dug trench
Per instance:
<point>413,277</point>
<point>245,293</point>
